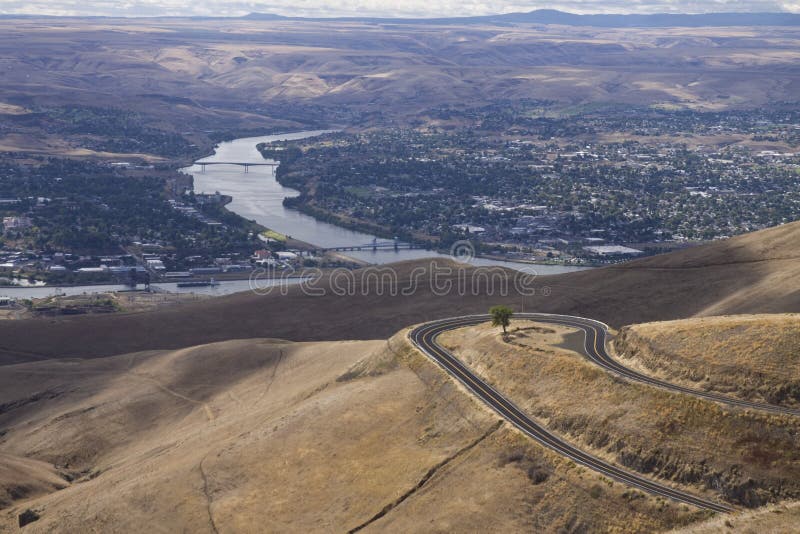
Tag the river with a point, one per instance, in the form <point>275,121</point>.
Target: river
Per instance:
<point>225,287</point>
<point>258,196</point>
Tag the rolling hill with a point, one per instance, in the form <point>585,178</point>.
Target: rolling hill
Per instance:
<point>756,357</point>
<point>265,435</point>
<point>748,457</point>
<point>205,72</point>
<point>199,415</point>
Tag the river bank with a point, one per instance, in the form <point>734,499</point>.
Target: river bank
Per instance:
<point>221,288</point>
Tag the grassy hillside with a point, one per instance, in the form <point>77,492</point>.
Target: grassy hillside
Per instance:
<point>776,519</point>
<point>265,435</point>
<point>753,273</point>
<point>746,458</point>
<point>756,357</point>
<point>23,478</point>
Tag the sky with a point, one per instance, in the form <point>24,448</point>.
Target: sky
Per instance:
<point>380,8</point>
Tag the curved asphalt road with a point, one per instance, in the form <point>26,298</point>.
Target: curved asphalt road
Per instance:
<point>424,338</point>
<point>595,349</point>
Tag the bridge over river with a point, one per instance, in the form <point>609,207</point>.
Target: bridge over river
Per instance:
<point>244,164</point>
<point>375,245</point>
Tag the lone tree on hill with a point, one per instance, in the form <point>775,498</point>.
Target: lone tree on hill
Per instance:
<point>501,316</point>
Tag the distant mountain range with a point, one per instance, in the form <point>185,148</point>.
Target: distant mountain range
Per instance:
<point>539,16</point>
<point>551,16</point>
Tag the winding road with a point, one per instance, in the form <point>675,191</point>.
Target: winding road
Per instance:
<point>424,338</point>
<point>595,350</point>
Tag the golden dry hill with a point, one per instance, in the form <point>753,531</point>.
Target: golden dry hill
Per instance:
<point>197,416</point>
<point>775,519</point>
<point>746,458</point>
<point>265,435</point>
<point>270,436</point>
<point>755,357</point>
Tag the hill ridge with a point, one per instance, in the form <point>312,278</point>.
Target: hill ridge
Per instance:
<point>553,16</point>
<point>715,279</point>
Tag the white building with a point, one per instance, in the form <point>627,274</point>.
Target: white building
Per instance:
<point>101,269</point>
<point>157,265</point>
<point>285,255</point>
<point>17,223</point>
<point>613,250</point>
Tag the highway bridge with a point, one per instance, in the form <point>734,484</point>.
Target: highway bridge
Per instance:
<point>375,245</point>
<point>245,164</point>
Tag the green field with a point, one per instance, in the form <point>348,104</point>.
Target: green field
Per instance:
<point>272,234</point>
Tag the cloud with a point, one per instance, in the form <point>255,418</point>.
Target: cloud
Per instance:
<point>404,8</point>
